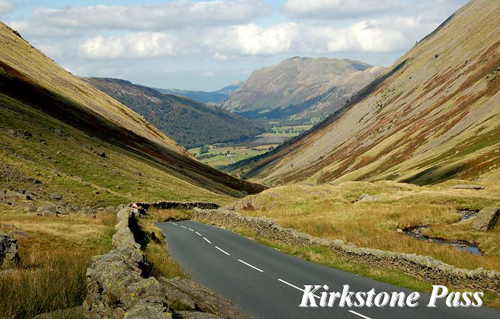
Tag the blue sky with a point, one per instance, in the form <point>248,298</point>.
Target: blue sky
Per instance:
<point>207,44</point>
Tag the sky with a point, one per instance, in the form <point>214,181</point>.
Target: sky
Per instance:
<point>208,44</point>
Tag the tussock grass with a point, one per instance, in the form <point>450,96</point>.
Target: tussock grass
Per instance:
<point>156,249</point>
<point>43,283</point>
<point>331,212</point>
<point>51,275</point>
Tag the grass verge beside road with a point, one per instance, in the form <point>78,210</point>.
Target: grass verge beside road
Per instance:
<point>54,261</point>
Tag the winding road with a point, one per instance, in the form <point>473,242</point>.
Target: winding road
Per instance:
<point>266,283</point>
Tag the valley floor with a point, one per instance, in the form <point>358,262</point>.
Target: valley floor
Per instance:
<point>222,155</point>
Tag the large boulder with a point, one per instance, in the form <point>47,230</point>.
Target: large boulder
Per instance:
<point>55,196</point>
<point>48,210</point>
<point>15,195</point>
<point>487,219</point>
<point>8,250</point>
<point>207,300</point>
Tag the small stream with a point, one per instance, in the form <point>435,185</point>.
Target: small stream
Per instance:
<point>462,245</point>
<point>467,213</point>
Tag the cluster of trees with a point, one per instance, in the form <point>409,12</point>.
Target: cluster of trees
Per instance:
<point>188,122</point>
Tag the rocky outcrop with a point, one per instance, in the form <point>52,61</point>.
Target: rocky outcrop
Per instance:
<point>8,250</point>
<point>179,205</point>
<point>487,219</point>
<point>119,287</point>
<point>421,267</point>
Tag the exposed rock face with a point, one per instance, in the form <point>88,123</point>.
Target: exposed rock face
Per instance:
<point>422,267</point>
<point>487,219</point>
<point>8,250</point>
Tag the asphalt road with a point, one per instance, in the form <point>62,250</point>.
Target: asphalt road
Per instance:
<point>266,283</point>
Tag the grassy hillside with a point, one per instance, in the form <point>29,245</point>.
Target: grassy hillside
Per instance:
<point>187,122</point>
<point>300,88</point>
<point>69,155</point>
<point>432,116</point>
<point>31,78</point>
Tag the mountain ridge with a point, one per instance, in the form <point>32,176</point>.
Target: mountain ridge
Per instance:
<point>204,96</point>
<point>290,88</point>
<point>188,122</point>
<point>30,79</point>
<point>429,117</point>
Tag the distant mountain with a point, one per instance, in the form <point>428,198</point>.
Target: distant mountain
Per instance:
<point>432,116</point>
<point>231,88</point>
<point>300,88</point>
<point>202,96</point>
<point>188,122</point>
<point>69,137</point>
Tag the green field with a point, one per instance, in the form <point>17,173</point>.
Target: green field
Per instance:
<point>220,156</point>
<point>287,131</point>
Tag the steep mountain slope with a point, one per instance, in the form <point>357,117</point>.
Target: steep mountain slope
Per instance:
<point>187,122</point>
<point>434,115</point>
<point>202,96</point>
<point>300,87</point>
<point>34,88</point>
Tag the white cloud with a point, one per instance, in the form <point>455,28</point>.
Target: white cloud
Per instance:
<point>250,39</point>
<point>225,43</point>
<point>135,45</point>
<point>337,9</point>
<point>172,15</point>
<point>36,31</point>
<point>7,6</point>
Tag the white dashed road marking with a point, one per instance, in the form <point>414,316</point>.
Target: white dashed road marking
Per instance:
<point>358,314</point>
<point>245,263</point>
<point>225,252</point>
<point>260,270</point>
<point>289,284</point>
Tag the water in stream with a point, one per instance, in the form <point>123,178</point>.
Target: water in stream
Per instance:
<point>417,233</point>
<point>462,245</point>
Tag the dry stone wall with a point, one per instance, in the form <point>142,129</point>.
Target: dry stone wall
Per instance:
<point>421,267</point>
<point>118,288</point>
<point>178,205</point>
